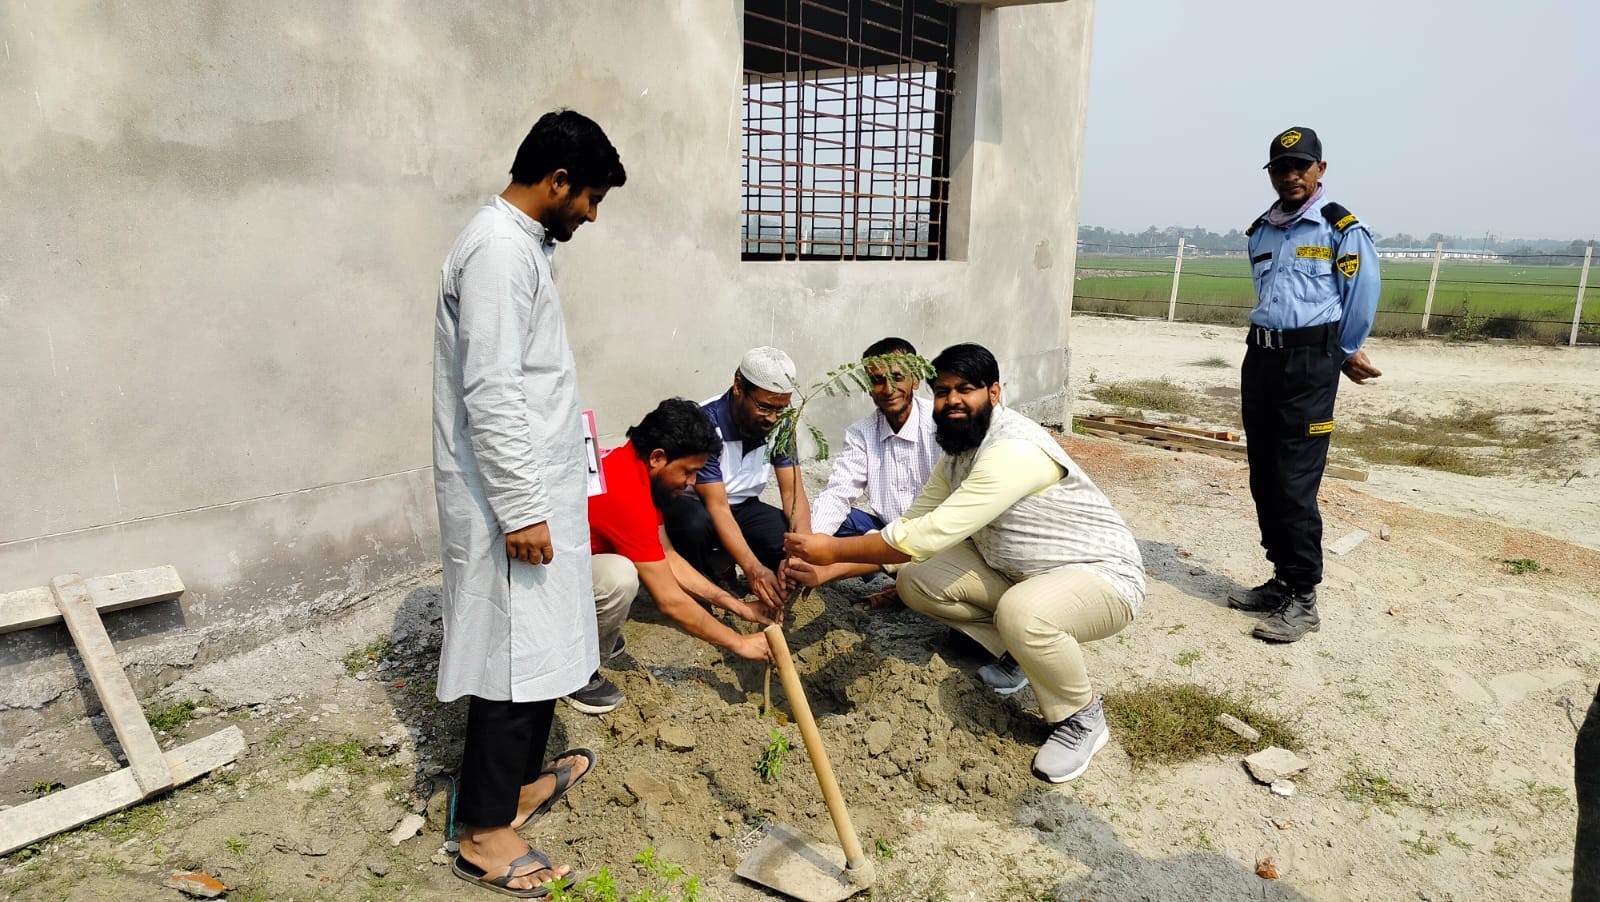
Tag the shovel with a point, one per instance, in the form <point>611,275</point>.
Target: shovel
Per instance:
<point>787,860</point>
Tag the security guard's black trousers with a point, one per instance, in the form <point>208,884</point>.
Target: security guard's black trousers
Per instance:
<point>1586,774</point>
<point>1287,398</point>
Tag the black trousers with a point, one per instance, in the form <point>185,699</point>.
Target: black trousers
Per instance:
<point>1287,400</point>
<point>1586,774</point>
<point>504,750</point>
<point>694,536</point>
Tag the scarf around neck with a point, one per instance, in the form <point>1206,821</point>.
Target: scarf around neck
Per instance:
<point>1276,216</point>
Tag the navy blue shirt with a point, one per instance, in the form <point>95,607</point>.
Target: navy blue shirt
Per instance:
<point>743,467</point>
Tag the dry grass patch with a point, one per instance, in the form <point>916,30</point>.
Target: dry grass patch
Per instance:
<point>1449,442</point>
<point>1169,723</point>
<point>1146,394</point>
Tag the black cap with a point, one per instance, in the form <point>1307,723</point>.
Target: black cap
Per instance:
<point>1297,143</point>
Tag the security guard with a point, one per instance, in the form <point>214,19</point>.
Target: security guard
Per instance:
<point>1316,280</point>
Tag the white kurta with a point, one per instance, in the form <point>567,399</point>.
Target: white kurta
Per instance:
<point>507,453</point>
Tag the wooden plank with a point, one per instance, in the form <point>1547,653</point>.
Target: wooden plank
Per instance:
<point>75,806</point>
<point>1218,434</point>
<point>111,684</point>
<point>29,608</point>
<point>1165,435</point>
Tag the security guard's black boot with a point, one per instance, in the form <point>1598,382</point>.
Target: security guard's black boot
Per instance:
<point>1297,617</point>
<point>1263,599</point>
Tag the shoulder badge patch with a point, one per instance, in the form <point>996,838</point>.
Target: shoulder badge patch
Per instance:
<point>1349,264</point>
<point>1313,252</point>
<point>1323,428</point>
<point>1338,217</point>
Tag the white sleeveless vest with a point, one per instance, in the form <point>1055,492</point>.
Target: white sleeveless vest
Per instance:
<point>1069,523</point>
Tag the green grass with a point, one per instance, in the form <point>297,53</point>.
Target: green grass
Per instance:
<point>1521,565</point>
<point>1218,289</point>
<point>1215,361</point>
<point>358,658</point>
<point>1422,845</point>
<point>324,753</point>
<point>1169,723</point>
<point>1145,394</point>
<point>1369,787</point>
<point>167,718</point>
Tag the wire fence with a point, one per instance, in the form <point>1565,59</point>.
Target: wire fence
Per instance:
<point>1459,294</point>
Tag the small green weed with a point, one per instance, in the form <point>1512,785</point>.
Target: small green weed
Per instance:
<point>1521,565</point>
<point>882,849</point>
<point>146,818</point>
<point>167,718</point>
<point>1215,361</point>
<point>668,883</point>
<point>1546,797</point>
<point>1187,658</point>
<point>1422,845</point>
<point>770,767</point>
<point>358,658</point>
<point>1371,788</point>
<point>1454,840</point>
<point>46,787</point>
<point>236,845</point>
<point>324,753</point>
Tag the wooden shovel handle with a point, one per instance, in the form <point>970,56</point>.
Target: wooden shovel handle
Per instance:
<point>815,750</point>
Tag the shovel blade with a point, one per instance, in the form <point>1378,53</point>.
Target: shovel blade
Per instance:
<point>798,866</point>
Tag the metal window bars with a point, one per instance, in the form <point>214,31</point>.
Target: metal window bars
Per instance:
<point>846,128</point>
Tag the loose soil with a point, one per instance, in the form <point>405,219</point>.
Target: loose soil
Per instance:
<point>1435,707</point>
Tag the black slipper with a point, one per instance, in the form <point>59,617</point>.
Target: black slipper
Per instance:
<point>564,783</point>
<point>471,873</point>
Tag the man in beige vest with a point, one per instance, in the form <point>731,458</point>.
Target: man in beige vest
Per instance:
<point>1012,544</point>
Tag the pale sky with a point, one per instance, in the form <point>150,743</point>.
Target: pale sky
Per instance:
<point>1458,117</point>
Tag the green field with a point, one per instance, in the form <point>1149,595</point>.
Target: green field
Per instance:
<point>1472,300</point>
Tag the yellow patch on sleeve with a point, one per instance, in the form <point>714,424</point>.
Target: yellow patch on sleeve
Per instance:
<point>1323,428</point>
<point>1349,264</point>
<point>1344,223</point>
<point>1313,252</point>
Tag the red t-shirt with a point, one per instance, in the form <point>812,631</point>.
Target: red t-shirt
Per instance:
<point>624,520</point>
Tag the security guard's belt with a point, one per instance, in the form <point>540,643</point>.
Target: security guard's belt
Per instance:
<point>1279,339</point>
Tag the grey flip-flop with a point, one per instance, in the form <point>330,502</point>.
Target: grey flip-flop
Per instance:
<point>564,783</point>
<point>471,873</point>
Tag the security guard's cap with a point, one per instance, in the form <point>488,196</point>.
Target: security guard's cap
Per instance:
<point>1297,143</point>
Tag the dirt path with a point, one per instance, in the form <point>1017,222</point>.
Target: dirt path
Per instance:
<point>1430,707</point>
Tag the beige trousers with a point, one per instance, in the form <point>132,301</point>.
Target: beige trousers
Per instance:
<point>1041,620</point>
<point>616,584</point>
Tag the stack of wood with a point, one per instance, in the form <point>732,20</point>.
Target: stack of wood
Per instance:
<point>1220,443</point>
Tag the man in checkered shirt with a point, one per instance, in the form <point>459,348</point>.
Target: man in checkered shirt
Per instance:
<point>889,453</point>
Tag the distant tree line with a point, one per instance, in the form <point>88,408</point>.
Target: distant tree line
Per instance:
<point>1161,242</point>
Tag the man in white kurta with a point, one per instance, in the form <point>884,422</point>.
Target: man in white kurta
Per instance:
<point>511,474</point>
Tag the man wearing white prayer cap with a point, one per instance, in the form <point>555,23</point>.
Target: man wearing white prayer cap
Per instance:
<point>725,513</point>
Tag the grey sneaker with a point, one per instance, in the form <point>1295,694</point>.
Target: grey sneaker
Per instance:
<point>1004,675</point>
<point>1066,754</point>
<point>1263,599</point>
<point>600,696</point>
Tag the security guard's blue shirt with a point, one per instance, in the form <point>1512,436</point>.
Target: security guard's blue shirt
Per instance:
<point>1311,273</point>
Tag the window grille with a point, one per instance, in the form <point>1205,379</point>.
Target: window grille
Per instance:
<point>846,128</point>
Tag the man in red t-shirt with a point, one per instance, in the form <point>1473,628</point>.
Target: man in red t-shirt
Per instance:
<point>660,459</point>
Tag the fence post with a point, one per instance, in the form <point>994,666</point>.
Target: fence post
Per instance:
<point>1427,306</point>
<point>1177,270</point>
<point>1577,309</point>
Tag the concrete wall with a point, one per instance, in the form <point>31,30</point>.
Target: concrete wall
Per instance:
<point>218,260</point>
